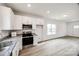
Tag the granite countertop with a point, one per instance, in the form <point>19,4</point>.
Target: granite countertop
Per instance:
<point>6,51</point>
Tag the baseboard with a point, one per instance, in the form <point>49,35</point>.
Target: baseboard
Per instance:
<point>58,38</point>
<point>50,39</point>
<point>73,36</point>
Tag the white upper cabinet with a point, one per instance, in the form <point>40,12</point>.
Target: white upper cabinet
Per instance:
<point>17,22</point>
<point>39,21</point>
<point>26,20</point>
<point>6,18</point>
<point>32,20</point>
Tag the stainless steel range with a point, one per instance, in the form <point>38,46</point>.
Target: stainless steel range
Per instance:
<point>27,37</point>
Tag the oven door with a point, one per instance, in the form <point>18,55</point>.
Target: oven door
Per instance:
<point>27,40</point>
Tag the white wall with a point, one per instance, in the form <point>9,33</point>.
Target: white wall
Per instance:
<point>61,29</point>
<point>70,30</point>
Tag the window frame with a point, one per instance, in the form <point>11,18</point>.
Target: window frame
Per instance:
<point>51,29</point>
<point>76,26</point>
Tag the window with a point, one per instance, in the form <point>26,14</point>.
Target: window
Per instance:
<point>51,29</point>
<point>76,26</point>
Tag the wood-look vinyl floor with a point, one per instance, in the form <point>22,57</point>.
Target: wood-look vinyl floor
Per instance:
<point>65,46</point>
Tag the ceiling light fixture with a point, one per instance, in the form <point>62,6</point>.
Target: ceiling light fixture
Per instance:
<point>48,12</point>
<point>65,15</point>
<point>28,5</point>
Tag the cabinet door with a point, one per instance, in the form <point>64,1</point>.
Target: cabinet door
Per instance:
<point>18,22</point>
<point>39,21</point>
<point>42,22</point>
<point>26,20</point>
<point>5,18</point>
<point>15,51</point>
<point>34,26</point>
<point>29,21</point>
<point>34,23</point>
<point>35,41</point>
<point>20,43</point>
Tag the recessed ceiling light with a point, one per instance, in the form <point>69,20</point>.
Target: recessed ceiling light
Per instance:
<point>28,5</point>
<point>65,15</point>
<point>48,12</point>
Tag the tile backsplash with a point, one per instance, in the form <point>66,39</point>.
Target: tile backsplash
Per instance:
<point>3,34</point>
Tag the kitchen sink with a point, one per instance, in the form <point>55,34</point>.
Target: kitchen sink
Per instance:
<point>5,44</point>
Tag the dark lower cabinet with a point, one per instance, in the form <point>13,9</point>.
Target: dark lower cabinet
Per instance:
<point>27,41</point>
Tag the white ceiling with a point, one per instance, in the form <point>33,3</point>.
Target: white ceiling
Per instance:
<point>57,11</point>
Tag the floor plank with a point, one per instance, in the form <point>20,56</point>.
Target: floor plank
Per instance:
<point>65,46</point>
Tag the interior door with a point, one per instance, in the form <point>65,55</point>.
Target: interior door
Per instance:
<point>39,32</point>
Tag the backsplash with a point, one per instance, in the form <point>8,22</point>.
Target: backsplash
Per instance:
<point>3,34</point>
<point>7,33</point>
